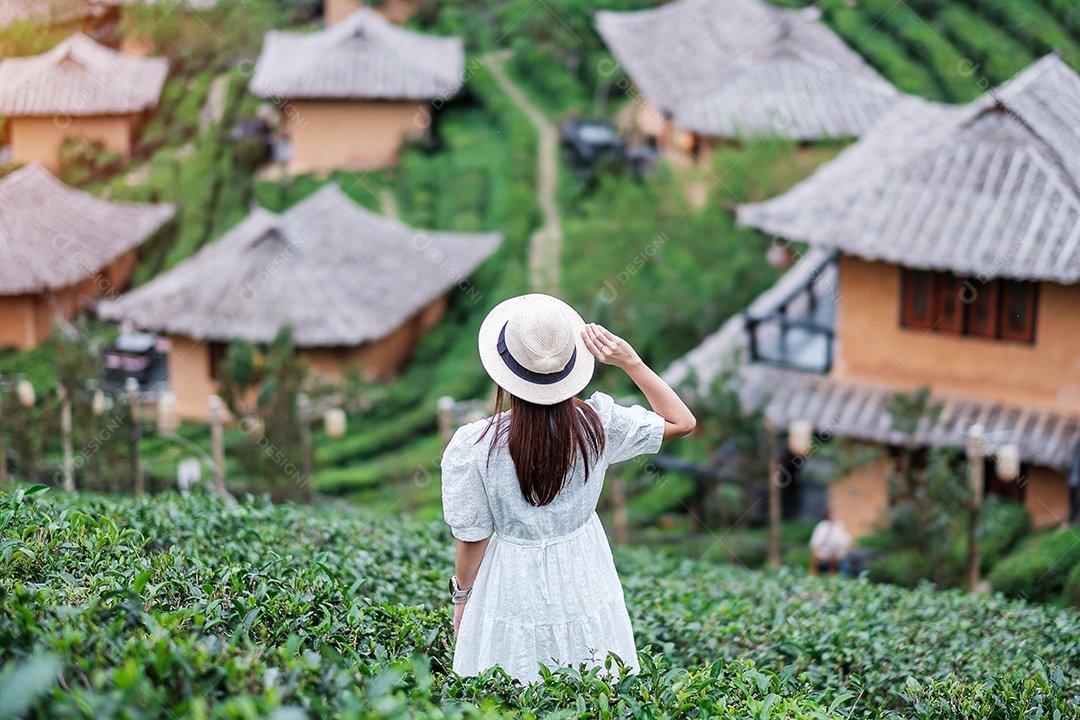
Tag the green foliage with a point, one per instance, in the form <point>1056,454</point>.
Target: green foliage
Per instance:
<point>1039,568</point>
<point>1002,525</point>
<point>995,53</point>
<point>84,161</point>
<point>1071,593</point>
<point>1042,694</point>
<point>190,605</point>
<point>1038,29</point>
<point>207,40</point>
<point>260,386</point>
<point>26,37</point>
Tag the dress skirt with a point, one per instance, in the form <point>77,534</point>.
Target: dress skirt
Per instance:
<point>556,601</point>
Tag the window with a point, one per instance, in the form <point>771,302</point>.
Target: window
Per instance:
<point>999,309</point>
<point>216,352</point>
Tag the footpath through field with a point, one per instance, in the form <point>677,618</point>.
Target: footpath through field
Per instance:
<point>545,245</point>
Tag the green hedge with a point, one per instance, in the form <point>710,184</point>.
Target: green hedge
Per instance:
<point>1039,568</point>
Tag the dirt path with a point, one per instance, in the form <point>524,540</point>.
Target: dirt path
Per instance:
<point>545,245</point>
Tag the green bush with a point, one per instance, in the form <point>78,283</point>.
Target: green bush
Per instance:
<point>1071,593</point>
<point>1042,694</point>
<point>1002,524</point>
<point>1039,568</point>
<point>110,605</point>
<point>83,161</point>
<point>906,568</point>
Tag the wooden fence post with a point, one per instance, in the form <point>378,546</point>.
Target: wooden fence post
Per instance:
<point>976,467</point>
<point>217,443</point>
<point>774,496</point>
<point>132,386</point>
<point>65,438</point>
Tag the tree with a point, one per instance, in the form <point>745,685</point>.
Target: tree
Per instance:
<point>736,441</point>
<point>260,385</point>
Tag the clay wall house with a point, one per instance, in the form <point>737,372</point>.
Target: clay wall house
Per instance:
<point>79,89</point>
<point>707,71</point>
<point>356,288</point>
<point>351,94</point>
<point>61,248</point>
<point>945,252</point>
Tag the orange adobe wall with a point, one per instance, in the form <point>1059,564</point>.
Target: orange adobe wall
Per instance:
<point>26,321</point>
<point>861,498</point>
<point>327,135</point>
<point>1046,497</point>
<point>189,361</point>
<point>38,139</point>
<point>873,348</point>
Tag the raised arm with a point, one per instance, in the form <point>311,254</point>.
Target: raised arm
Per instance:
<point>611,349</point>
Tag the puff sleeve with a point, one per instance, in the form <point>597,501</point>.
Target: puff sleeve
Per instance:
<point>629,430</point>
<point>464,500</point>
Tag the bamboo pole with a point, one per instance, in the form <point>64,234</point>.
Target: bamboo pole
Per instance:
<point>774,496</point>
<point>65,438</point>
<point>303,412</point>
<point>976,468</point>
<point>132,386</point>
<point>217,443</point>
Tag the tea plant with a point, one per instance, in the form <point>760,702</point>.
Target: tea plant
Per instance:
<point>114,607</point>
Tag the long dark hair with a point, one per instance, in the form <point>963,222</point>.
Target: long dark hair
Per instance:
<point>544,441</point>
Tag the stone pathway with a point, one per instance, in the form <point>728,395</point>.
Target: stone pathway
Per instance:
<point>545,245</point>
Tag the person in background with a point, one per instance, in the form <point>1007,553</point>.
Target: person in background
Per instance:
<point>830,544</point>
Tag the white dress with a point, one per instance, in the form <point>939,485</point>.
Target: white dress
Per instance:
<point>547,590</point>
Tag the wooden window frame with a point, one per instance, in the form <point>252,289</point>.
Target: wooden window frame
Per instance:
<point>1028,334</point>
<point>908,293</point>
<point>994,293</point>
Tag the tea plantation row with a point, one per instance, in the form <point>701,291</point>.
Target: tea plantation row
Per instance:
<point>188,607</point>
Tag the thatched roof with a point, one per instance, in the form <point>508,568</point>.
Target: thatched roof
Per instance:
<point>80,77</point>
<point>737,68</point>
<point>987,189</point>
<point>43,12</point>
<point>339,274</point>
<point>53,236</point>
<point>364,56</point>
<point>857,409</point>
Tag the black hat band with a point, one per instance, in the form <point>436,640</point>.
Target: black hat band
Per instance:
<point>525,373</point>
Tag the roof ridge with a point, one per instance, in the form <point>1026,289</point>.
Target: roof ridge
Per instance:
<point>1018,87</point>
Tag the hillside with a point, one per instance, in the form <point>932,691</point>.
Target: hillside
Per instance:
<point>113,607</point>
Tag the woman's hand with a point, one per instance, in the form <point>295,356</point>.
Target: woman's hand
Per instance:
<point>608,347</point>
<point>459,609</point>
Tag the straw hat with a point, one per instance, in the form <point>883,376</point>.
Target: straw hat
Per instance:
<point>531,345</point>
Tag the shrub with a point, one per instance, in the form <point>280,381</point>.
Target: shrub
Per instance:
<point>900,567</point>
<point>83,161</point>
<point>1072,587</point>
<point>1038,570</point>
<point>344,613</point>
<point>1042,694</point>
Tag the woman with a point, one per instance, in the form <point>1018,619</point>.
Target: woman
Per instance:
<point>543,588</point>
